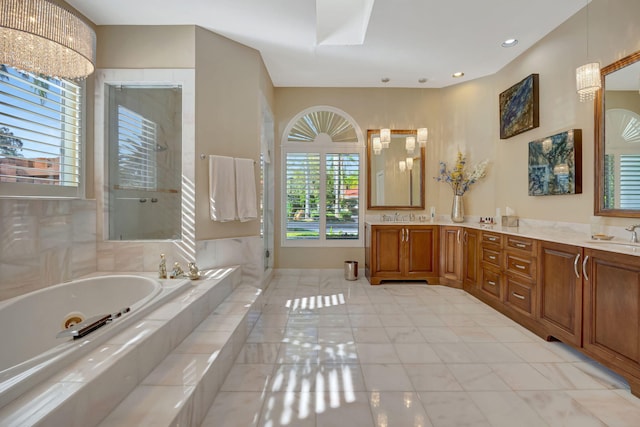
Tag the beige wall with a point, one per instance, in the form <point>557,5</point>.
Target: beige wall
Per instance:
<point>371,109</point>
<point>466,116</point>
<point>230,78</point>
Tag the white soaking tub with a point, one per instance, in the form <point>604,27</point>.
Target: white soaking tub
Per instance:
<point>31,349</point>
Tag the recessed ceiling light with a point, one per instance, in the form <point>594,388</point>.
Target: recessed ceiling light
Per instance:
<point>422,80</point>
<point>385,80</point>
<point>458,74</point>
<point>509,43</point>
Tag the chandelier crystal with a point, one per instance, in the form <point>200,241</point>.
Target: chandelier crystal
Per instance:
<point>41,37</point>
<point>588,81</point>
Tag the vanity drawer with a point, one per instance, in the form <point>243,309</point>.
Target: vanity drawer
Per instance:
<point>491,282</point>
<point>520,243</point>
<point>524,266</point>
<point>491,256</point>
<point>519,295</point>
<point>491,239</point>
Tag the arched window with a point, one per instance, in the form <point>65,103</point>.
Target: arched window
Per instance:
<point>322,154</point>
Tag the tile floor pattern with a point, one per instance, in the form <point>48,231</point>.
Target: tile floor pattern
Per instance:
<point>329,352</point>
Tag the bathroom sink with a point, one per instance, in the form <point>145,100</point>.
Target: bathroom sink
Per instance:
<point>629,245</point>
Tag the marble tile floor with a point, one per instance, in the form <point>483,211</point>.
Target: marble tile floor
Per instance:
<point>331,352</point>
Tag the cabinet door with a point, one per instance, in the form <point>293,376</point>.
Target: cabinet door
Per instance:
<point>612,309</point>
<point>421,251</point>
<point>470,259</point>
<point>560,291</point>
<point>451,255</point>
<point>387,247</point>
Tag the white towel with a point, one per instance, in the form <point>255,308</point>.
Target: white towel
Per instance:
<point>222,188</point>
<point>246,190</point>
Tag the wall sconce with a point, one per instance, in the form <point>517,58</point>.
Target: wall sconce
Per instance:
<point>377,145</point>
<point>423,134</point>
<point>409,163</point>
<point>385,137</point>
<point>410,144</point>
<point>402,165</point>
<point>42,37</point>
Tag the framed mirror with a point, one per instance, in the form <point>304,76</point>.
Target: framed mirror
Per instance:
<point>617,137</point>
<point>395,175</point>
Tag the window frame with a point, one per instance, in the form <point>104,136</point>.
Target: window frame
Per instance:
<point>323,149</point>
<point>24,190</point>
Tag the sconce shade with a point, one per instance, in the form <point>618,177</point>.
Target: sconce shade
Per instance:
<point>423,135</point>
<point>588,81</point>
<point>385,137</point>
<point>402,165</point>
<point>42,37</point>
<point>410,144</point>
<point>409,162</point>
<point>377,145</point>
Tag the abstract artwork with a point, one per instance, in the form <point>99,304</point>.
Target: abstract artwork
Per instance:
<point>519,107</point>
<point>555,164</point>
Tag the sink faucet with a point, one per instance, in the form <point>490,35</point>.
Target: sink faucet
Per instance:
<point>632,229</point>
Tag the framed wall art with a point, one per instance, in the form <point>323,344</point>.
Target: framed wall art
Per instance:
<point>519,107</point>
<point>555,164</point>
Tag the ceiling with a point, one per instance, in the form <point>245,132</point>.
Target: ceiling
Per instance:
<point>405,40</point>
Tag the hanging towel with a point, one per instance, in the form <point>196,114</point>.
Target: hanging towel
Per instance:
<point>246,190</point>
<point>222,188</point>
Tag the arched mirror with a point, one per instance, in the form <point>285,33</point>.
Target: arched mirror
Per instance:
<point>395,171</point>
<point>617,133</point>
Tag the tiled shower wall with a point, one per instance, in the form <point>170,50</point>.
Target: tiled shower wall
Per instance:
<point>45,242</point>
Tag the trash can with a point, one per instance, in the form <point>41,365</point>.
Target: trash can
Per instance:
<point>351,270</point>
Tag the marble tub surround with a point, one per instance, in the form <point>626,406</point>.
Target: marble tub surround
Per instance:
<point>87,390</point>
<point>45,242</point>
<point>405,355</point>
<point>247,252</point>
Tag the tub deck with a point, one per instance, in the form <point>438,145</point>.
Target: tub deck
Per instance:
<point>185,347</point>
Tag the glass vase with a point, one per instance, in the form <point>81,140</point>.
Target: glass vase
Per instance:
<point>457,209</point>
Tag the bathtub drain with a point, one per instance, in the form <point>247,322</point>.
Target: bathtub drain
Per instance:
<point>72,319</point>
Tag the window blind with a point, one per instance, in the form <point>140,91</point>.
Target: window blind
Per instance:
<point>629,181</point>
<point>137,142</point>
<point>303,195</point>
<point>40,129</point>
<point>342,182</point>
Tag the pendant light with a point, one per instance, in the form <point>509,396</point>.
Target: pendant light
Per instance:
<point>588,75</point>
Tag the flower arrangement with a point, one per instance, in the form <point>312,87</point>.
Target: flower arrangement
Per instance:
<point>459,178</point>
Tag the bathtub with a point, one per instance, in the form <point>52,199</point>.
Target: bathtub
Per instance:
<point>30,324</point>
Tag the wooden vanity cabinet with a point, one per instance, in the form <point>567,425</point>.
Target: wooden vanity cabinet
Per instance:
<point>612,312</point>
<point>451,255</point>
<point>470,260</point>
<point>560,291</point>
<point>401,252</point>
<point>490,266</point>
<point>520,274</point>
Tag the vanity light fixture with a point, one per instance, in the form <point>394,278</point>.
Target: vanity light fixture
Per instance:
<point>423,135</point>
<point>385,137</point>
<point>410,144</point>
<point>588,75</point>
<point>409,163</point>
<point>509,43</point>
<point>457,74</point>
<point>402,165</point>
<point>42,37</point>
<point>377,145</point>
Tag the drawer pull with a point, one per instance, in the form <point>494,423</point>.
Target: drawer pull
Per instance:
<point>517,295</point>
<point>520,245</point>
<point>521,267</point>
<point>492,239</point>
<point>491,282</point>
<point>493,257</point>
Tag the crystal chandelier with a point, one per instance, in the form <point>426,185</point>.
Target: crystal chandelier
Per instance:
<point>41,37</point>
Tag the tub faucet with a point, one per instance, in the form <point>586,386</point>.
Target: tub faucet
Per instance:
<point>632,229</point>
<point>177,271</point>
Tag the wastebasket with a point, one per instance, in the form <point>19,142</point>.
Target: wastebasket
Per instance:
<point>351,270</point>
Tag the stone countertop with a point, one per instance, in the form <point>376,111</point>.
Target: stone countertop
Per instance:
<point>558,232</point>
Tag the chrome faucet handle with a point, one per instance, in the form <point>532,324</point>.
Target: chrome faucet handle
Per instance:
<point>632,227</point>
